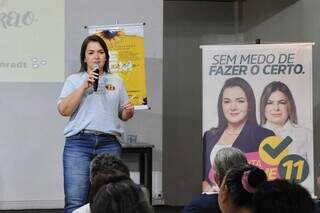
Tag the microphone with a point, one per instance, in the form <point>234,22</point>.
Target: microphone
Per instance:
<point>96,81</point>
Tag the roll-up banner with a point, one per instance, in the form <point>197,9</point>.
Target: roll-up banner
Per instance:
<point>126,48</point>
<point>258,98</point>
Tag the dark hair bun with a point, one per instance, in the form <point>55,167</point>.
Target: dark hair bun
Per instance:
<point>256,177</point>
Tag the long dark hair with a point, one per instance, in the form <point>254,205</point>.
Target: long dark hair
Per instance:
<point>271,88</point>
<point>244,85</point>
<point>93,38</point>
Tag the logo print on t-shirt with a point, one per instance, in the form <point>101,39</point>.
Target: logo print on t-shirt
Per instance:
<point>110,87</point>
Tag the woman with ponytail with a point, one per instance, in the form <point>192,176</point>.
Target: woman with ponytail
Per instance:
<point>237,189</point>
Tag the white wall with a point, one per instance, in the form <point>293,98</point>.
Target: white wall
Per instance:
<point>31,129</point>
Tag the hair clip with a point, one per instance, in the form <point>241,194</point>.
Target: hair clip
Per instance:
<point>245,183</point>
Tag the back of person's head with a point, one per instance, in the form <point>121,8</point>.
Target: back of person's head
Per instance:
<point>119,195</point>
<point>280,196</point>
<point>102,163</point>
<point>226,159</point>
<point>103,178</point>
<point>238,187</point>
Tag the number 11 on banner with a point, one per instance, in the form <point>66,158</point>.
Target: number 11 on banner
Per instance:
<point>293,168</point>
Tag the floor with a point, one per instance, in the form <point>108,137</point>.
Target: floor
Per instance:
<point>158,209</point>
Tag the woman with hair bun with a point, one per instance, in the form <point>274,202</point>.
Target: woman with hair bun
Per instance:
<point>238,187</point>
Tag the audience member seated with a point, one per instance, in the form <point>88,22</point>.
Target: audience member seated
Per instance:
<point>101,179</point>
<point>119,195</point>
<point>317,201</point>
<point>317,206</point>
<point>237,189</point>
<point>280,196</point>
<point>224,160</point>
<point>104,162</point>
<point>106,166</point>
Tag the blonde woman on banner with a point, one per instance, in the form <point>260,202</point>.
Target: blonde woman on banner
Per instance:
<point>237,127</point>
<point>278,113</point>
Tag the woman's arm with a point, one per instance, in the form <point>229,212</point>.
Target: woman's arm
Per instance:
<point>70,103</point>
<point>127,112</point>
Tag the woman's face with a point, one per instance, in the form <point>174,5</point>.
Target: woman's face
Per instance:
<point>276,110</point>
<point>235,105</point>
<point>94,55</point>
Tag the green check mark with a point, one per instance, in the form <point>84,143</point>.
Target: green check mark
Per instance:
<point>274,152</point>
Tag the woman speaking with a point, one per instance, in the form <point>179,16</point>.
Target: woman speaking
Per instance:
<point>95,115</point>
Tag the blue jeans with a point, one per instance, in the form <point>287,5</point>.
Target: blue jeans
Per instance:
<point>78,152</point>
